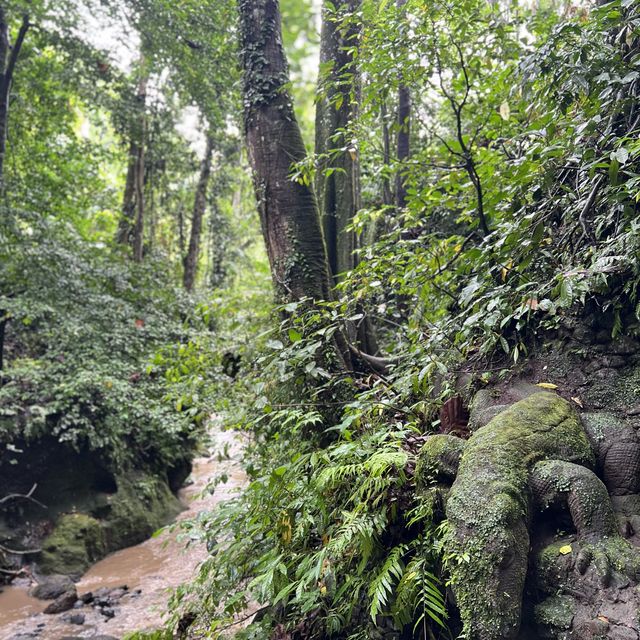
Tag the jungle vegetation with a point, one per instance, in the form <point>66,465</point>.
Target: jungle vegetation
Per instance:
<point>329,222</point>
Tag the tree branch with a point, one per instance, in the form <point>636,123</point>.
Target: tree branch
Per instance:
<point>26,552</point>
<point>15,51</point>
<point>23,496</point>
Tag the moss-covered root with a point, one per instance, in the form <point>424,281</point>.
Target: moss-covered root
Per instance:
<point>438,460</point>
<point>489,507</point>
<point>77,541</point>
<point>578,489</point>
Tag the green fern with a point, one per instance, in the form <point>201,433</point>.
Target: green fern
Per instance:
<point>382,586</point>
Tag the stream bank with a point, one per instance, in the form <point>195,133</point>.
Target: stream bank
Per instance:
<point>147,570</point>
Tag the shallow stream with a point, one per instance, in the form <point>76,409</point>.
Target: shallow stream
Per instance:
<point>149,570</point>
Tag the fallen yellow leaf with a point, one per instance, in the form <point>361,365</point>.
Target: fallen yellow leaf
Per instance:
<point>566,550</point>
<point>547,385</point>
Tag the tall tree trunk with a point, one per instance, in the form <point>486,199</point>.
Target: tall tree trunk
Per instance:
<point>387,192</point>
<point>3,326</point>
<point>181,240</point>
<point>337,106</point>
<point>131,226</point>
<point>338,177</point>
<point>404,130</point>
<point>125,226</point>
<point>8,59</point>
<point>288,210</point>
<point>199,208</point>
<point>138,229</point>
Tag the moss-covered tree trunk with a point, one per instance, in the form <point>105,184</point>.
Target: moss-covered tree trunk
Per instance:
<point>288,209</point>
<point>199,208</point>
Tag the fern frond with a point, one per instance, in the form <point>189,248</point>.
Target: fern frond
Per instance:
<point>382,586</point>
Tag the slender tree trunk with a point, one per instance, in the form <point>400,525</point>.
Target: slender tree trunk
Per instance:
<point>288,210</point>
<point>199,208</point>
<point>387,192</point>
<point>125,226</point>
<point>338,177</point>
<point>336,108</point>
<point>8,59</point>
<point>138,229</point>
<point>131,226</point>
<point>404,130</point>
<point>3,326</point>
<point>181,240</point>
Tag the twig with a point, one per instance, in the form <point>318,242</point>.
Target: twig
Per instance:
<point>243,619</point>
<point>7,572</point>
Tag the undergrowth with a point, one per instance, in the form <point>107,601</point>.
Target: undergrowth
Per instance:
<point>332,538</point>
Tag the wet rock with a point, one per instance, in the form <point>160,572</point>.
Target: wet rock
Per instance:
<point>116,594</point>
<point>107,612</point>
<point>620,632</point>
<point>74,618</point>
<point>51,587</point>
<point>86,598</point>
<point>98,637</point>
<point>77,541</point>
<point>625,346</point>
<point>63,603</point>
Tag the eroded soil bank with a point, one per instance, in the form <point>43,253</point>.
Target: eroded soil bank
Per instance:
<point>148,570</point>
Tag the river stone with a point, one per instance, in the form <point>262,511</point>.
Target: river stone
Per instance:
<point>63,603</point>
<point>51,587</point>
<point>74,618</point>
<point>99,637</point>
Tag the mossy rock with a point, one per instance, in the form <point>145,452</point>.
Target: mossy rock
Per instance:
<point>76,542</point>
<point>142,504</point>
<point>556,612</point>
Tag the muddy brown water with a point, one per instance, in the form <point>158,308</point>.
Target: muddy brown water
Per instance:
<point>150,570</point>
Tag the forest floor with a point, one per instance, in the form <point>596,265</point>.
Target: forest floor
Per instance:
<point>130,587</point>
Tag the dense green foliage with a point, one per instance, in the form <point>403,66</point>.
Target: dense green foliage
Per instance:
<point>523,119</point>
<point>522,210</point>
<point>80,345</point>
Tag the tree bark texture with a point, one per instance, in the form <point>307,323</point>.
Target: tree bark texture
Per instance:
<point>288,209</point>
<point>338,176</point>
<point>8,59</point>
<point>404,131</point>
<point>337,106</point>
<point>199,208</point>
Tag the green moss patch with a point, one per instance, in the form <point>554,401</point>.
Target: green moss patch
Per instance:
<point>77,541</point>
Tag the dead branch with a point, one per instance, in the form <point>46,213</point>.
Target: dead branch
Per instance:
<point>25,552</point>
<point>24,496</point>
